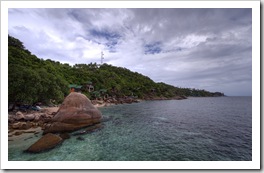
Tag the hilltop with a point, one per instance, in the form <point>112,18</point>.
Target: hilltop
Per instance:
<point>32,80</point>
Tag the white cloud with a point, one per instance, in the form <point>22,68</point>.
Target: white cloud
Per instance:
<point>201,48</point>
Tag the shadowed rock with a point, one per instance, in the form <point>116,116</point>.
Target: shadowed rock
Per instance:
<point>76,112</point>
<point>89,129</point>
<point>65,136</point>
<point>80,138</point>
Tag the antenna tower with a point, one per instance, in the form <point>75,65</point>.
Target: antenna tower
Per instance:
<point>102,57</point>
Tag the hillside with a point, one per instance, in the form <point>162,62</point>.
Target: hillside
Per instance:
<point>31,80</point>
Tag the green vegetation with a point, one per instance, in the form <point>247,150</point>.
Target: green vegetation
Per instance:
<point>32,80</point>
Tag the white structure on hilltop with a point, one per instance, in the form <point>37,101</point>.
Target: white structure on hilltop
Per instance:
<point>102,57</point>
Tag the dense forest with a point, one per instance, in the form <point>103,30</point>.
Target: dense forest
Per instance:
<point>31,80</point>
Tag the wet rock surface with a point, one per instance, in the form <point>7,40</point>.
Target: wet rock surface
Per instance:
<point>45,143</point>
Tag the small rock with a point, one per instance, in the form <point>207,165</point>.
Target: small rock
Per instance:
<point>19,116</point>
<point>17,125</point>
<point>18,133</point>
<point>100,101</point>
<point>46,125</point>
<point>29,117</point>
<point>34,125</point>
<point>43,115</point>
<point>53,113</point>
<point>80,138</point>
<point>40,123</point>
<point>29,125</point>
<point>22,125</point>
<point>37,116</point>
<point>31,131</point>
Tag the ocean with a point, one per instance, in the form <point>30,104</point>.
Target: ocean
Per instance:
<point>194,129</point>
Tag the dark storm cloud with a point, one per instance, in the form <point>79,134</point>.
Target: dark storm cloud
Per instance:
<point>198,48</point>
<point>180,22</point>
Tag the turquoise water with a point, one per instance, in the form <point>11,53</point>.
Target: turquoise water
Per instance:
<point>193,129</point>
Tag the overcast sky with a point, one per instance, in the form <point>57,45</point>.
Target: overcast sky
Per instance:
<point>207,49</point>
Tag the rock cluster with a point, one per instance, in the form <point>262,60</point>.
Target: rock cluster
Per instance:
<point>115,101</point>
<point>76,112</point>
<point>21,121</point>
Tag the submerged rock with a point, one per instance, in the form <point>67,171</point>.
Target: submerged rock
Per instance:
<point>76,112</point>
<point>47,142</point>
<point>80,138</point>
<point>89,129</point>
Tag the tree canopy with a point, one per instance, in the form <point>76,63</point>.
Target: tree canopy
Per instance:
<point>31,79</point>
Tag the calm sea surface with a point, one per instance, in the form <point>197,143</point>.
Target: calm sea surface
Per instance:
<point>193,129</point>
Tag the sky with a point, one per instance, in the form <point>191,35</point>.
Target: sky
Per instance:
<point>207,49</point>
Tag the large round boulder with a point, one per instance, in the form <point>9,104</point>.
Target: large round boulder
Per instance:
<point>76,112</point>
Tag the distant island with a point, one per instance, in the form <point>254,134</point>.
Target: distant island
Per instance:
<point>32,80</point>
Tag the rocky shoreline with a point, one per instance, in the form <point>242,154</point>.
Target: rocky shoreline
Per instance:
<point>55,123</point>
<point>19,122</point>
<point>32,123</point>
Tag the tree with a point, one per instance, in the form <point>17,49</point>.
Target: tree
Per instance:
<point>15,43</point>
<point>31,79</point>
<point>23,84</point>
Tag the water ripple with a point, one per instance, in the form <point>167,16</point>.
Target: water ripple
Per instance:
<point>193,129</point>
